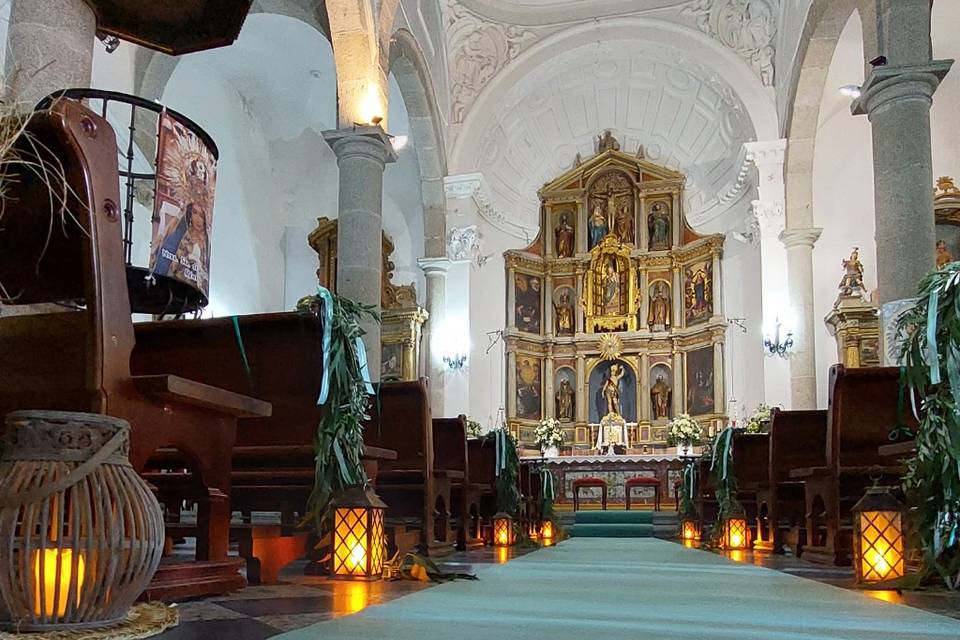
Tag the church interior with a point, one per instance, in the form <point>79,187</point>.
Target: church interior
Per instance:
<point>464,318</point>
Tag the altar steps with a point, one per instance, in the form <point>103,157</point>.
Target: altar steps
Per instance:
<point>623,524</point>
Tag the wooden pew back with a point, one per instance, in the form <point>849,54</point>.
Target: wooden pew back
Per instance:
<point>796,441</point>
<point>751,459</point>
<point>450,444</point>
<point>400,420</point>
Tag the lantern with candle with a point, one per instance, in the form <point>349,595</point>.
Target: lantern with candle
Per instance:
<point>359,542</point>
<point>878,537</point>
<point>80,532</point>
<point>689,530</point>
<point>503,532</point>
<point>735,532</point>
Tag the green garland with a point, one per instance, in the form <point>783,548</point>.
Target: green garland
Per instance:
<point>930,331</point>
<point>724,483</point>
<point>338,445</point>
<point>508,480</point>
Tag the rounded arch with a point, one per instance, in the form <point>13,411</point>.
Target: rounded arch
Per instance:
<point>409,68</point>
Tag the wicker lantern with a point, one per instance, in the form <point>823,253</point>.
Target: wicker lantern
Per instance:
<point>80,532</point>
<point>736,535</point>
<point>503,533</point>
<point>689,531</point>
<point>359,542</point>
<point>878,537</point>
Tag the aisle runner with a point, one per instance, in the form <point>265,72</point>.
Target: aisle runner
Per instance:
<point>612,589</point>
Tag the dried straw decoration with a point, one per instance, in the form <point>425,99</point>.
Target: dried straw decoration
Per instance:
<point>80,532</point>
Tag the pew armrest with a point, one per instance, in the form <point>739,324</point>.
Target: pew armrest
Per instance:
<point>809,472</point>
<point>378,453</point>
<point>168,388</point>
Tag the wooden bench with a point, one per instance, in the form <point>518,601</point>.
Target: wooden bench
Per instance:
<point>862,410</point>
<point>452,475</point>
<point>79,359</point>
<point>482,492</point>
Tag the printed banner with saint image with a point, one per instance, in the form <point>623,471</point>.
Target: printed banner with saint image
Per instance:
<point>183,206</point>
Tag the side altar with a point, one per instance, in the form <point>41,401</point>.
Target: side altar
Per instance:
<point>614,313</point>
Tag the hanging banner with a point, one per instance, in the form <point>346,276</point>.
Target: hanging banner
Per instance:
<point>183,206</point>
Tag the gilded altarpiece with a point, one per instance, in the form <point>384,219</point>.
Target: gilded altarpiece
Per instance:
<point>614,319</point>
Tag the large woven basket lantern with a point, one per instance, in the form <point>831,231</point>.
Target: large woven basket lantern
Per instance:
<point>80,532</point>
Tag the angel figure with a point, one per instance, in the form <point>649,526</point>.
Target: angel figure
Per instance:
<point>852,282</point>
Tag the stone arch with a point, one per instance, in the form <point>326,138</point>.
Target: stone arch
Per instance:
<point>409,68</point>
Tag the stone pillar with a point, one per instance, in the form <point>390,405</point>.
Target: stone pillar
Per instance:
<point>769,220</point>
<point>717,286</point>
<point>582,400</point>
<point>678,383</point>
<point>643,231</point>
<point>362,153</point>
<point>803,362</point>
<point>435,272</point>
<point>676,220</point>
<point>49,47</point>
<point>677,298</point>
<point>896,97</point>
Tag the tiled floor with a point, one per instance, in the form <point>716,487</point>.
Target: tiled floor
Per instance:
<point>260,612</point>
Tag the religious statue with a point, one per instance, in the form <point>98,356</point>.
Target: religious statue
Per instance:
<point>852,282</point>
<point>659,315</point>
<point>611,289</point>
<point>598,226</point>
<point>660,396</point>
<point>659,227</point>
<point>698,292</point>
<point>563,315</point>
<point>943,254</point>
<point>565,401</point>
<point>611,389</point>
<point>624,224</point>
<point>606,142</point>
<point>564,237</point>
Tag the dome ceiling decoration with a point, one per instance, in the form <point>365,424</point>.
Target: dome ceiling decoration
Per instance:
<point>683,115</point>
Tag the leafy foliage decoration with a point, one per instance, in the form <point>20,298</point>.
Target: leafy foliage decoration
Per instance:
<point>508,481</point>
<point>338,445</point>
<point>724,484</point>
<point>930,335</point>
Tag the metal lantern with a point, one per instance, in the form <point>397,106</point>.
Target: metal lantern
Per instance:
<point>735,533</point>
<point>359,541</point>
<point>878,537</point>
<point>503,533</point>
<point>81,534</point>
<point>689,530</point>
<point>546,530</point>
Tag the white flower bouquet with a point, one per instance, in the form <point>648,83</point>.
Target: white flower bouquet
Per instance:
<point>548,433</point>
<point>759,421</point>
<point>684,430</point>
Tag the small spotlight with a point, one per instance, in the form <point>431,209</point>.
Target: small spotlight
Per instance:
<point>850,90</point>
<point>879,61</point>
<point>375,120</point>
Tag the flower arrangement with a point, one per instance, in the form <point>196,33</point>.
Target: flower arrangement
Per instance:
<point>759,421</point>
<point>548,433</point>
<point>474,429</point>
<point>684,430</point>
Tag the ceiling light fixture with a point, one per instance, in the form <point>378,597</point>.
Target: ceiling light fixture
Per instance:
<point>850,90</point>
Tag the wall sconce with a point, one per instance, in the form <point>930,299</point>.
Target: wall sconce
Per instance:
<point>452,343</point>
<point>779,342</point>
<point>455,361</point>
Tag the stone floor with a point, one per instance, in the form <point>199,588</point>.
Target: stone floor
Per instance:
<point>264,611</point>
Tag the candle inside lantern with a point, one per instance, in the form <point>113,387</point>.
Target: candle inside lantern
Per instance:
<point>546,532</point>
<point>56,563</point>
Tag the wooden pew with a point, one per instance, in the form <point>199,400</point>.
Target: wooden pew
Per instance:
<point>482,494</point>
<point>452,473</point>
<point>79,359</point>
<point>705,500</point>
<point>796,440</point>
<point>862,410</point>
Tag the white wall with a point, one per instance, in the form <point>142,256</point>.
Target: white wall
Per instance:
<point>945,113</point>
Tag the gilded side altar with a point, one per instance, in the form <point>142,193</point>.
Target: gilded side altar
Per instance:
<point>614,313</point>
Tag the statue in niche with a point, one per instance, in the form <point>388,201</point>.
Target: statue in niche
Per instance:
<point>624,223</point>
<point>565,401</point>
<point>598,226</point>
<point>563,235</point>
<point>563,314</point>
<point>660,396</point>
<point>943,254</point>
<point>658,318</point>
<point>611,289</point>
<point>852,282</point>
<point>607,142</point>
<point>611,389</point>
<point>659,227</point>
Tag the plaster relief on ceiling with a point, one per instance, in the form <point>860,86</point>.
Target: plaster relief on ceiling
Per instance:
<point>748,27</point>
<point>477,50</point>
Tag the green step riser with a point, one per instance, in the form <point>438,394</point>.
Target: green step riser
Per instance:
<point>611,531</point>
<point>614,517</point>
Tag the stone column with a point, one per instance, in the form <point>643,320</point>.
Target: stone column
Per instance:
<point>769,220</point>
<point>644,300</point>
<point>678,383</point>
<point>582,400</point>
<point>643,232</point>
<point>362,153</point>
<point>548,306</point>
<point>677,298</point>
<point>49,47</point>
<point>803,362</point>
<point>435,273</point>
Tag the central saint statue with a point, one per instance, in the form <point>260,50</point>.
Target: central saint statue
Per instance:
<point>611,389</point>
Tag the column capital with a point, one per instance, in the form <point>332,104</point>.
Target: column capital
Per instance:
<point>370,141</point>
<point>462,186</point>
<point>770,217</point>
<point>765,152</point>
<point>432,266</point>
<point>793,238</point>
<point>894,83</point>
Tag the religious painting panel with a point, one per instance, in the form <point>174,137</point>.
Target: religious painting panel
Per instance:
<point>661,392</point>
<point>527,302</point>
<point>565,398</point>
<point>391,358</point>
<point>611,209</point>
<point>529,386</point>
<point>659,315</point>
<point>698,291</point>
<point>660,225</point>
<point>700,381</point>
<point>564,234</point>
<point>564,322</point>
<point>613,390</point>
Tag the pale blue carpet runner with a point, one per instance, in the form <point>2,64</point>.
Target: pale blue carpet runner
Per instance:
<point>633,589</point>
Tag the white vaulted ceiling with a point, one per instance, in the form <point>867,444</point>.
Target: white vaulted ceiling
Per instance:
<point>683,114</point>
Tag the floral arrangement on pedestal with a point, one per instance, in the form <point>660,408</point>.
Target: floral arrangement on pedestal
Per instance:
<point>548,435</point>
<point>474,428</point>
<point>683,432</point>
<point>759,420</point>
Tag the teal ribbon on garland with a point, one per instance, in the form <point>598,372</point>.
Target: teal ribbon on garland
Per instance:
<point>726,438</point>
<point>243,351</point>
<point>690,479</point>
<point>326,309</point>
<point>547,482</point>
<point>500,438</point>
<point>933,356</point>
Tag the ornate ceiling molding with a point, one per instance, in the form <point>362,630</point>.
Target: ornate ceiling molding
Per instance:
<point>472,186</point>
<point>748,27</point>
